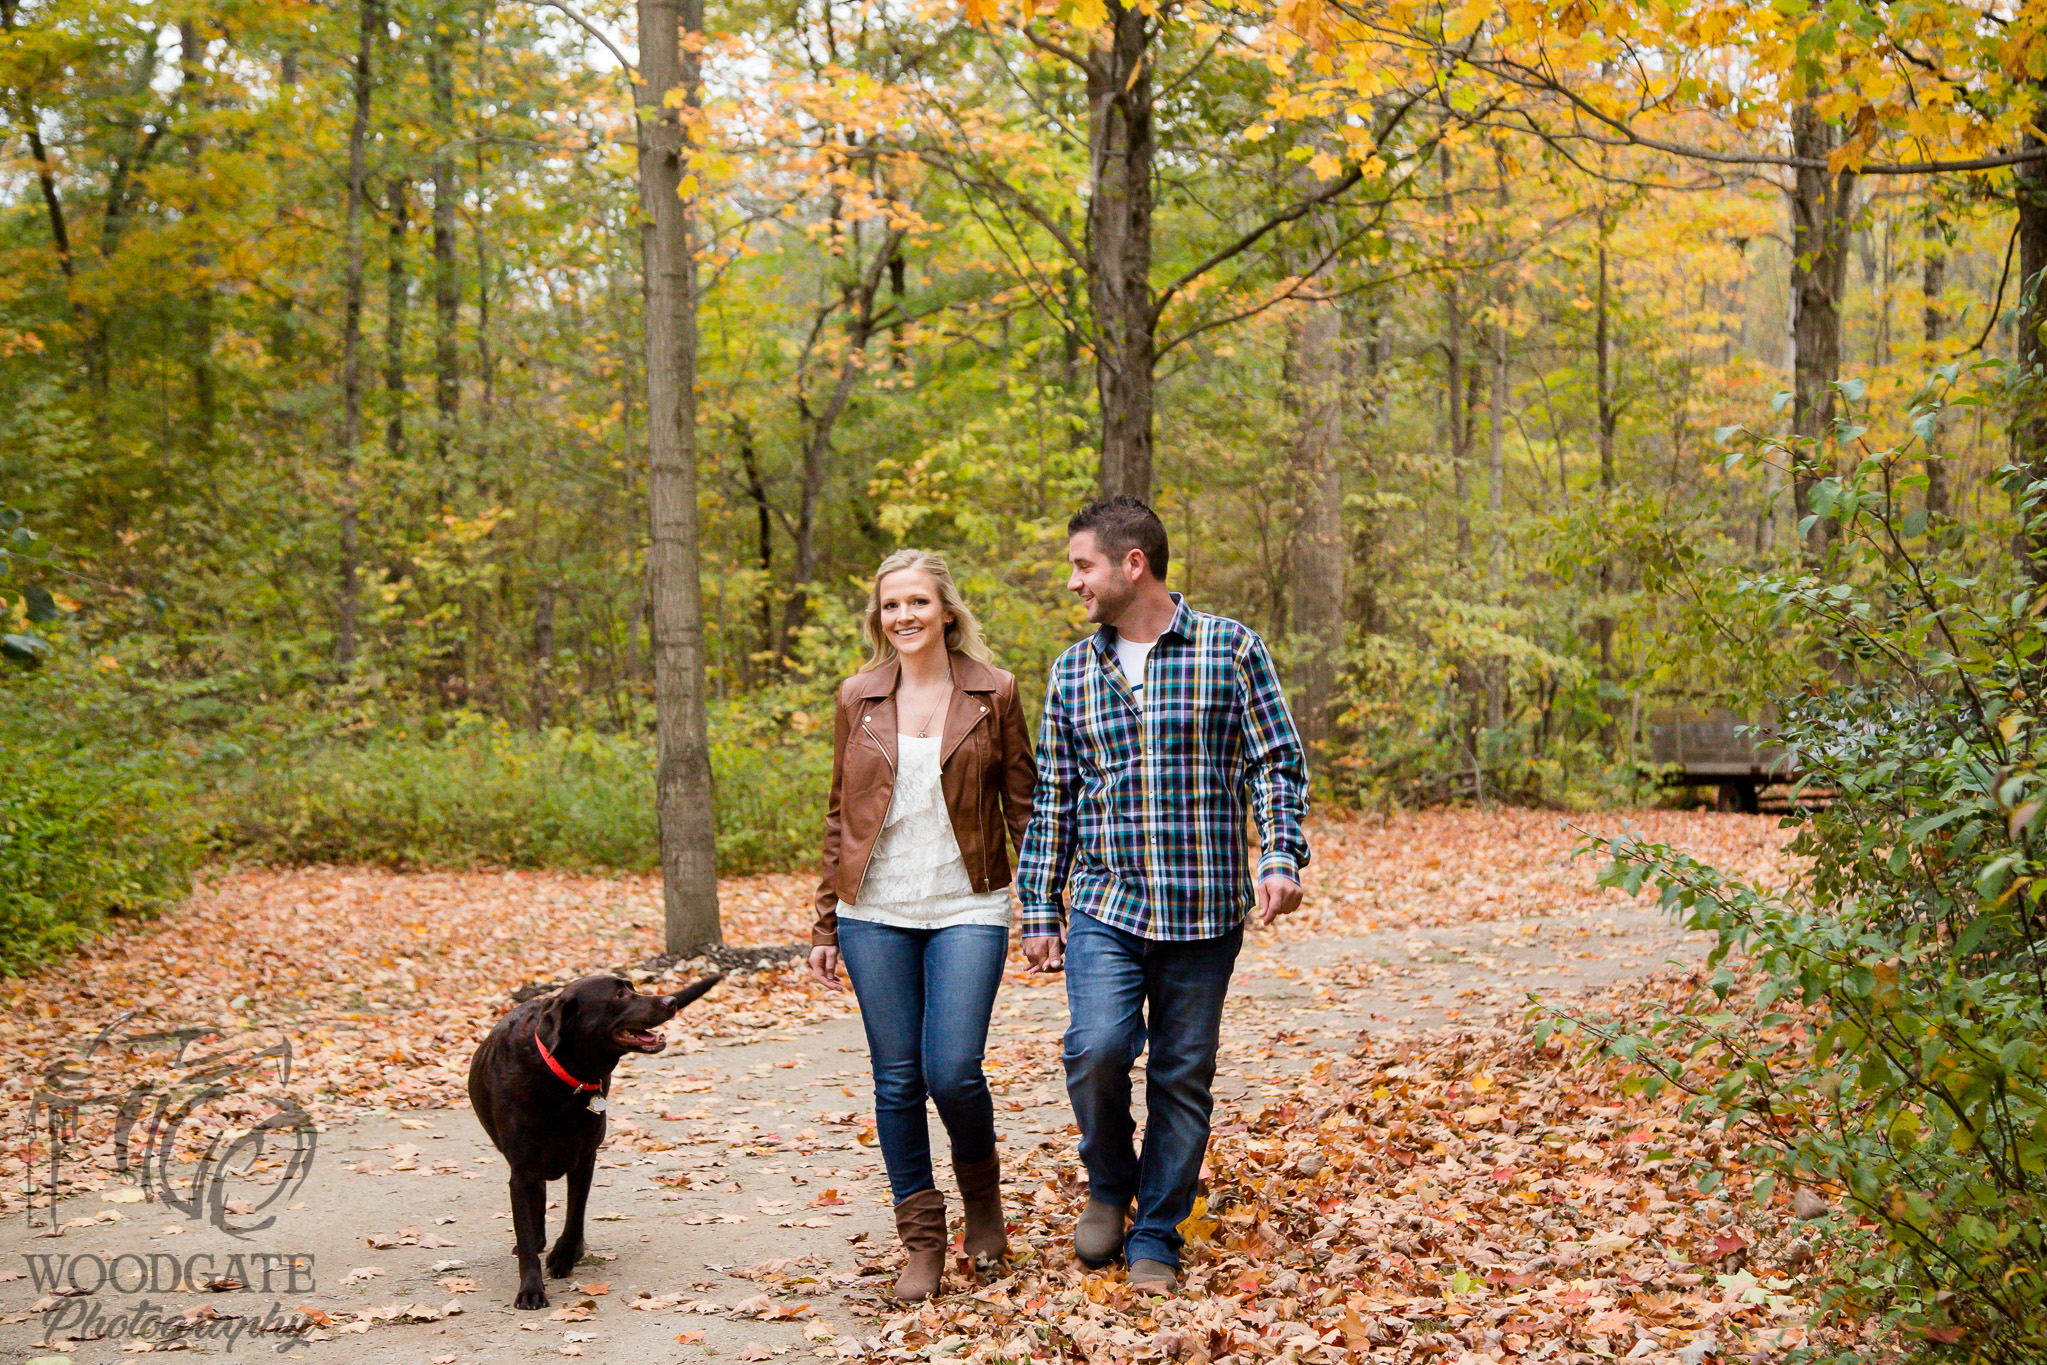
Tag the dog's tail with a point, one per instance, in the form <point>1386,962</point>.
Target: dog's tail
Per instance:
<point>697,988</point>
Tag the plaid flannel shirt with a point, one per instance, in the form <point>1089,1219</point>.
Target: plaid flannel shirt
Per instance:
<point>1140,814</point>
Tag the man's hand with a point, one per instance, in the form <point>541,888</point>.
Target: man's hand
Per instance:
<point>1044,953</point>
<point>824,965</point>
<point>1277,896</point>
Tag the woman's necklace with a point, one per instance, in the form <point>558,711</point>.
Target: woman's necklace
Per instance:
<point>924,730</point>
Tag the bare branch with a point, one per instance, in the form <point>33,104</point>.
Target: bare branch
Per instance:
<point>594,32</point>
<point>997,185</point>
<point>1626,135</point>
<point>1059,50</point>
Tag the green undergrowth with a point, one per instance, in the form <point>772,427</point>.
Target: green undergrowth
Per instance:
<point>489,795</point>
<point>95,824</point>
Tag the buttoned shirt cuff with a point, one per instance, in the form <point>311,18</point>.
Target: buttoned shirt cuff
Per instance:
<point>1277,864</point>
<point>1041,921</point>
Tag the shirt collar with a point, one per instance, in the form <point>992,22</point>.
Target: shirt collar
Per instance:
<point>1182,625</point>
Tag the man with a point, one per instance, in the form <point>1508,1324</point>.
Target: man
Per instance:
<point>1154,731</point>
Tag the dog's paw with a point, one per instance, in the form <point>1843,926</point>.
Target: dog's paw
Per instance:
<point>561,1262</point>
<point>535,1297</point>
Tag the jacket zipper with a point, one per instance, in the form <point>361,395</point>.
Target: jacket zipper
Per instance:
<point>869,732</point>
<point>977,877</point>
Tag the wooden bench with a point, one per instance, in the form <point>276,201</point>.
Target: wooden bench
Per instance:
<point>1708,748</point>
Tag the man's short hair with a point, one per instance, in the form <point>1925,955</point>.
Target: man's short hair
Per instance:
<point>1122,524</point>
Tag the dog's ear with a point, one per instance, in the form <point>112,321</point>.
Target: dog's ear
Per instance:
<point>557,1013</point>
<point>696,988</point>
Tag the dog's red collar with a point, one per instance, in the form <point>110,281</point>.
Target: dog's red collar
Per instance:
<point>556,1067</point>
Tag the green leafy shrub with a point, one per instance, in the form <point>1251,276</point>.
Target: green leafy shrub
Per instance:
<point>1891,1056</point>
<point>486,794</point>
<point>93,822</point>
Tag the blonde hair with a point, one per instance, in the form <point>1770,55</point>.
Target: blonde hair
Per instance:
<point>962,633</point>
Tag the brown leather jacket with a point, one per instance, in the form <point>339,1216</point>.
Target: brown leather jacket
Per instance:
<point>985,766</point>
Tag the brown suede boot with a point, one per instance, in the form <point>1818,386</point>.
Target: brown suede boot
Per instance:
<point>920,1223</point>
<point>987,1243</point>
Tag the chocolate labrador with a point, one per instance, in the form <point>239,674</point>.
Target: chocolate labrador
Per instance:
<point>538,1085</point>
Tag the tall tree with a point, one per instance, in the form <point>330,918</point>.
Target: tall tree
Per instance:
<point>447,278</point>
<point>670,70</point>
<point>1608,417</point>
<point>1122,146</point>
<point>1933,283</point>
<point>397,302</point>
<point>1822,207</point>
<point>369,29</point>
<point>1456,392</point>
<point>2031,421</point>
<point>1496,441</point>
<point>1318,546</point>
<point>816,422</point>
<point>1115,49</point>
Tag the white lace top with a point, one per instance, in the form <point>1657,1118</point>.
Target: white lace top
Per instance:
<point>916,876</point>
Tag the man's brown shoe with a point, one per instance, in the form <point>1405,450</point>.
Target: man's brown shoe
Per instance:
<point>1153,1277</point>
<point>1098,1232</point>
<point>920,1222</point>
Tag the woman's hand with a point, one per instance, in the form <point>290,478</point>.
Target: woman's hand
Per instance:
<point>824,965</point>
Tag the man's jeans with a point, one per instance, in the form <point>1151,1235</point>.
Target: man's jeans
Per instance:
<point>925,997</point>
<point>1114,980</point>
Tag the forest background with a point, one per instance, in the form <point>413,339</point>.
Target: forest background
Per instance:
<point>422,424</point>
<point>323,432</point>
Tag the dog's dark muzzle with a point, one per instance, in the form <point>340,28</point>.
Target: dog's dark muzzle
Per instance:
<point>636,1033</point>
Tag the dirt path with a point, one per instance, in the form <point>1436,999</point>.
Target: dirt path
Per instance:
<point>740,1201</point>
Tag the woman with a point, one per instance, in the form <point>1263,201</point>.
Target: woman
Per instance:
<point>931,767</point>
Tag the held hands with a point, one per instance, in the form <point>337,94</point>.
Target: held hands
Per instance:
<point>1044,953</point>
<point>1277,896</point>
<point>824,965</point>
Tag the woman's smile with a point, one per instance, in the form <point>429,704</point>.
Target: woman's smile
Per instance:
<point>912,614</point>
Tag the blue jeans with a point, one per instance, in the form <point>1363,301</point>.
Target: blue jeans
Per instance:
<point>1113,980</point>
<point>925,997</point>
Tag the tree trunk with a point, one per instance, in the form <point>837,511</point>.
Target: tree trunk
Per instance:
<point>1821,207</point>
<point>1121,146</point>
<point>486,361</point>
<point>2031,431</point>
<point>1460,429</point>
<point>543,653</point>
<point>817,427</point>
<point>1609,420</point>
<point>369,27</point>
<point>764,529</point>
<point>1362,590</point>
<point>1496,490</point>
<point>447,281</point>
<point>200,326</point>
<point>689,870</point>
<point>397,296</point>
<point>1318,548</point>
<point>1602,342</point>
<point>1933,282</point>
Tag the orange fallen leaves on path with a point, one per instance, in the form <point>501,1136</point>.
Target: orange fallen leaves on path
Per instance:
<point>1457,1194</point>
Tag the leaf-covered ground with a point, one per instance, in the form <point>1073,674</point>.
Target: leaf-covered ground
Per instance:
<point>1452,1193</point>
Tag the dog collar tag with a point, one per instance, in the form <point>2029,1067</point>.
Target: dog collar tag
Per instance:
<point>597,1104</point>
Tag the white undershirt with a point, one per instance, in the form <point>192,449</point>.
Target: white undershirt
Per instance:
<point>916,877</point>
<point>1132,656</point>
